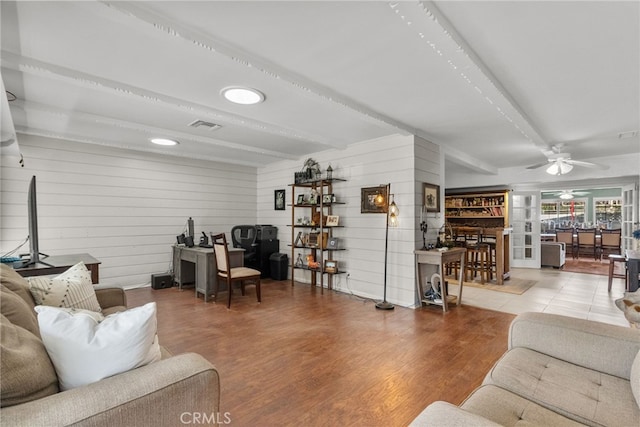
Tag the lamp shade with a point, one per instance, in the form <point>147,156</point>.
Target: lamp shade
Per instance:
<point>393,220</point>
<point>393,209</point>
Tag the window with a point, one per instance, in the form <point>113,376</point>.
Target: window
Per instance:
<point>562,213</point>
<point>608,212</point>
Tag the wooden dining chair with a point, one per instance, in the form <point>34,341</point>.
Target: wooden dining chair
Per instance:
<point>610,242</point>
<point>587,242</point>
<point>230,275</point>
<point>565,235</point>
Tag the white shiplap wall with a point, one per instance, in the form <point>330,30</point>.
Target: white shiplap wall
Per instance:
<point>123,207</point>
<point>403,161</point>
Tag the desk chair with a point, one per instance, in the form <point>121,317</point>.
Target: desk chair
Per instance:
<point>587,242</point>
<point>229,274</point>
<point>610,241</point>
<point>244,236</point>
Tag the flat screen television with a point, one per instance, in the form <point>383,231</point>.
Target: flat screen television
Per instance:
<point>32,209</point>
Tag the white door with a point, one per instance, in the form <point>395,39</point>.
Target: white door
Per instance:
<point>524,217</point>
<point>629,214</point>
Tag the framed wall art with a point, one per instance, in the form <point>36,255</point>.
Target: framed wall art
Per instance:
<point>278,200</point>
<point>367,196</point>
<point>431,197</point>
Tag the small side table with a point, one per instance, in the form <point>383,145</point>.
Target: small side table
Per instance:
<point>633,266</point>
<point>439,259</point>
<point>60,263</point>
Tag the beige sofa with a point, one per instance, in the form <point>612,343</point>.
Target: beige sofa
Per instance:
<point>557,371</point>
<point>174,391</point>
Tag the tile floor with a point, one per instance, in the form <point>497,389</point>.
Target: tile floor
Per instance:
<point>571,294</point>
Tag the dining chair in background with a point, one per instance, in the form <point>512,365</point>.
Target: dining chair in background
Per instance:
<point>610,240</point>
<point>587,242</point>
<point>565,235</point>
<point>230,275</point>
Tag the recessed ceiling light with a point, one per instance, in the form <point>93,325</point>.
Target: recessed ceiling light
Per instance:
<point>164,141</point>
<point>242,95</point>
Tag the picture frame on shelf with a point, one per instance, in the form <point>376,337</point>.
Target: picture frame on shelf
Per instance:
<point>333,243</point>
<point>327,198</point>
<point>300,200</point>
<point>367,199</point>
<point>330,266</point>
<point>333,220</point>
<point>279,200</point>
<point>316,241</point>
<point>431,197</point>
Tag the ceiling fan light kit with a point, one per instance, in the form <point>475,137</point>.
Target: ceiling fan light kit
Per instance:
<point>561,163</point>
<point>559,167</point>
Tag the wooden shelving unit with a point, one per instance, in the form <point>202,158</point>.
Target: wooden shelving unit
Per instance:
<point>478,209</point>
<point>313,238</point>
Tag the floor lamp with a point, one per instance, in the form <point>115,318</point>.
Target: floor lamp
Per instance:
<point>391,211</point>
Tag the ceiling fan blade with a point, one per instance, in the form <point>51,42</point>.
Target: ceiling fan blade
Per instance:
<point>538,165</point>
<point>586,164</point>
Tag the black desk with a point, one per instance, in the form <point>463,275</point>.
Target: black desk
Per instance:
<point>61,263</point>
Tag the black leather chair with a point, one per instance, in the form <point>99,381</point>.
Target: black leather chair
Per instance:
<point>244,236</point>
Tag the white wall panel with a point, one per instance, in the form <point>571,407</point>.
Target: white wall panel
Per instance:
<point>126,208</point>
<point>123,207</point>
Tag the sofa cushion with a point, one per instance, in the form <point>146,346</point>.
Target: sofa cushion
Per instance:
<point>17,311</point>
<point>17,284</point>
<point>585,395</point>
<point>509,409</point>
<point>25,368</point>
<point>72,289</point>
<point>84,350</point>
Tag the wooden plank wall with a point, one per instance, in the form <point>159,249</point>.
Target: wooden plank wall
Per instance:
<point>365,164</point>
<point>123,207</point>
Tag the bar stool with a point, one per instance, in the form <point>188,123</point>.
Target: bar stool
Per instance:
<point>478,262</point>
<point>613,259</point>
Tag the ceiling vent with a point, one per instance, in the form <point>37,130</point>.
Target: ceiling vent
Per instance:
<point>202,123</point>
<point>630,134</point>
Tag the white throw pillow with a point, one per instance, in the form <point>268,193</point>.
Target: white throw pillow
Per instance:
<point>72,289</point>
<point>84,351</point>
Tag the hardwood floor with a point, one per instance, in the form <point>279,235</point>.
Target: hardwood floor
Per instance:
<point>306,358</point>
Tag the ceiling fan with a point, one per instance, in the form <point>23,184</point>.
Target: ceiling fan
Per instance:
<point>569,194</point>
<point>561,163</point>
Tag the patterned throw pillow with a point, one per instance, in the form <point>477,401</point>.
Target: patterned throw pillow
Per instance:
<point>71,289</point>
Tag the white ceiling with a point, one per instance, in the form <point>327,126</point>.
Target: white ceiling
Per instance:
<point>494,83</point>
